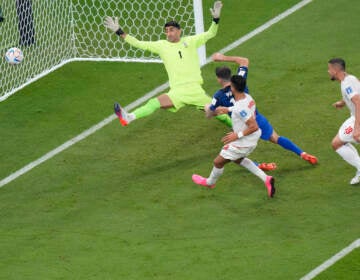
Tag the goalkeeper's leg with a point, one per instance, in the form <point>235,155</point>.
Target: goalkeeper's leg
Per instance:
<point>225,119</point>
<point>147,109</point>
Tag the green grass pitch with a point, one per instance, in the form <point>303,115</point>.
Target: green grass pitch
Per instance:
<point>121,204</point>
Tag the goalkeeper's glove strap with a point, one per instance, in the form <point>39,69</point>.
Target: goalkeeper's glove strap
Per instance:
<point>119,32</point>
<point>216,20</point>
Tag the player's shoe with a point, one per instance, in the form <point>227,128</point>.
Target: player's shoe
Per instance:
<point>270,185</point>
<point>356,179</point>
<point>199,180</point>
<point>267,166</point>
<point>121,114</point>
<point>310,158</point>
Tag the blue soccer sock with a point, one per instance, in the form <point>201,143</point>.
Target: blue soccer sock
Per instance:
<point>289,145</point>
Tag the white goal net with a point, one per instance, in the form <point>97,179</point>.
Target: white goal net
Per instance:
<point>53,32</point>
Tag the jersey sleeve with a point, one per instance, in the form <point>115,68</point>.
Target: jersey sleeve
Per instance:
<point>202,38</point>
<point>350,90</point>
<point>215,102</point>
<point>242,71</point>
<point>152,46</point>
<point>245,114</point>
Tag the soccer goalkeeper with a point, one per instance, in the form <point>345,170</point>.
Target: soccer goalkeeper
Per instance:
<point>181,61</point>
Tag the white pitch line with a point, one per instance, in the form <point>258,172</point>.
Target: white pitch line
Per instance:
<point>312,274</point>
<point>147,96</point>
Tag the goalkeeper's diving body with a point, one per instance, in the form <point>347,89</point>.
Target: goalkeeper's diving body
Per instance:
<point>181,61</point>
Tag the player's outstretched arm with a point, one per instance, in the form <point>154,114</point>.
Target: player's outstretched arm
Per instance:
<point>113,25</point>
<point>242,61</point>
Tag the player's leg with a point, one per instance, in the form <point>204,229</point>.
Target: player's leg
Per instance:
<point>216,172</point>
<point>162,101</point>
<point>291,146</point>
<point>341,144</point>
<point>269,134</point>
<point>195,95</point>
<point>269,181</point>
<point>224,118</point>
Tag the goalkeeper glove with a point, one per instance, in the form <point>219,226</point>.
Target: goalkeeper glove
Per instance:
<point>215,11</point>
<point>113,25</point>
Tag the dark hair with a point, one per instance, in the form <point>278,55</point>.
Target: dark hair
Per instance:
<point>339,62</point>
<point>172,23</point>
<point>238,82</point>
<point>223,72</point>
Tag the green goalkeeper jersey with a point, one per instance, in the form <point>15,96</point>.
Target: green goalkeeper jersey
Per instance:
<point>180,59</point>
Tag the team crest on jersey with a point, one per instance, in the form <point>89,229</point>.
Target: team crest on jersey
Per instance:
<point>243,113</point>
<point>349,90</point>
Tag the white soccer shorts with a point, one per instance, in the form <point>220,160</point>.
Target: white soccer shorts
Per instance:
<point>346,130</point>
<point>233,152</point>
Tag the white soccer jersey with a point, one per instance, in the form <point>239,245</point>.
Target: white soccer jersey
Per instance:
<point>350,86</point>
<point>242,111</point>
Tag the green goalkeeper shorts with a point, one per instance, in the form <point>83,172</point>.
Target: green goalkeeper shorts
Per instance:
<point>192,94</point>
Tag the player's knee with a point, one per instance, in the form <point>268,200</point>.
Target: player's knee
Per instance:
<point>218,164</point>
<point>336,143</point>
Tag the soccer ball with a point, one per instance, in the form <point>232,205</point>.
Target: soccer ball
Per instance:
<point>14,56</point>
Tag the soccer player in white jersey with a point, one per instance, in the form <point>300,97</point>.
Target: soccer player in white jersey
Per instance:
<point>181,61</point>
<point>241,141</point>
<point>349,131</point>
<point>223,98</point>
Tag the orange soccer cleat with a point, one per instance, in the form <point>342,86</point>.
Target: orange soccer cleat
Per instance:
<point>267,166</point>
<point>310,158</point>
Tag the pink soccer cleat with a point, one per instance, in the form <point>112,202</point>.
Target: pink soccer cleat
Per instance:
<point>270,185</point>
<point>199,180</point>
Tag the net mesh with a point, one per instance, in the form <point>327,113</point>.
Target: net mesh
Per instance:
<point>53,32</point>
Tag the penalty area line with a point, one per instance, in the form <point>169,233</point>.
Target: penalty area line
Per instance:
<point>147,96</point>
<point>325,265</point>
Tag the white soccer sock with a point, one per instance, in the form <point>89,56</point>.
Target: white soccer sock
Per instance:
<point>214,175</point>
<point>350,154</point>
<point>250,165</point>
<point>131,117</point>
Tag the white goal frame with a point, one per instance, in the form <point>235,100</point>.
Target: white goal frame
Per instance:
<point>22,75</point>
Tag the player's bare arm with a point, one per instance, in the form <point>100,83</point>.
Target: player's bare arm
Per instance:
<point>241,61</point>
<point>356,101</point>
<point>339,104</point>
<point>252,126</point>
<point>222,110</point>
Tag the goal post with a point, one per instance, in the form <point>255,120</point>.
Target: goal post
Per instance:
<point>199,28</point>
<point>52,33</point>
